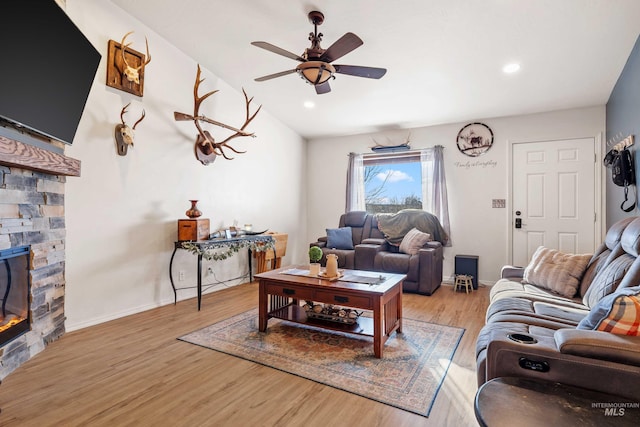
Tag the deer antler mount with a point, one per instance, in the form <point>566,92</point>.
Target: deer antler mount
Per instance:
<point>125,66</point>
<point>124,133</point>
<point>206,148</point>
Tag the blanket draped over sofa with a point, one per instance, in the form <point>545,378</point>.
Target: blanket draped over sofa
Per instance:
<point>395,226</point>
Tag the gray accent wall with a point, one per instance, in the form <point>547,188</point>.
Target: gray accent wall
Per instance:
<point>623,118</point>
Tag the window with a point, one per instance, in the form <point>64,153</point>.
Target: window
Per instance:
<point>387,183</point>
<point>392,186</point>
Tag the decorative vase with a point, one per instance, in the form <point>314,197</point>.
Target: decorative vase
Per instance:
<point>193,212</point>
<point>331,269</point>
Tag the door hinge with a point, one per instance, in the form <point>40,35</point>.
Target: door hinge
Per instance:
<point>595,217</point>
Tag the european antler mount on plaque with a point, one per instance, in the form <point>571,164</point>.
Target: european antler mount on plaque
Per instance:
<point>125,66</point>
<point>124,133</point>
<point>206,148</point>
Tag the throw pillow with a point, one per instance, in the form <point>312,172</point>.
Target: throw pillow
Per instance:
<point>413,241</point>
<point>618,313</point>
<point>556,271</point>
<point>339,238</point>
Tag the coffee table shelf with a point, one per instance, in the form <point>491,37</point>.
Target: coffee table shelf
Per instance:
<point>295,313</point>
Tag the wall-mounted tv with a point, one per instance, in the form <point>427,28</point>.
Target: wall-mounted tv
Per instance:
<point>46,70</point>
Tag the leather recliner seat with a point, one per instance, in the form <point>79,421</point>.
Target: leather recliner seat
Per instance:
<point>591,359</point>
<point>372,252</point>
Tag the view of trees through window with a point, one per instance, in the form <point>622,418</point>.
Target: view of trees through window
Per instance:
<point>390,187</point>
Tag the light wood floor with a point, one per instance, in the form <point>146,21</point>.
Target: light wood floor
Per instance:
<point>134,372</point>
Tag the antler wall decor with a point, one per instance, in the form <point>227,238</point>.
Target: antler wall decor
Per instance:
<point>125,66</point>
<point>206,148</point>
<point>124,133</point>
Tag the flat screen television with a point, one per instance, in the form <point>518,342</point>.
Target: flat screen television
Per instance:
<point>46,70</point>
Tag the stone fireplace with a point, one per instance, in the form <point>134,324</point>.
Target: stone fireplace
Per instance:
<point>32,184</point>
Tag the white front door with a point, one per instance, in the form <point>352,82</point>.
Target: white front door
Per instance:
<point>553,187</point>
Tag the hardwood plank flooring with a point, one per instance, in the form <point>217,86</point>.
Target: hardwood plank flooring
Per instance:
<point>134,372</point>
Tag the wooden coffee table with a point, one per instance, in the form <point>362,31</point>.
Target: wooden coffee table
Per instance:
<point>282,290</point>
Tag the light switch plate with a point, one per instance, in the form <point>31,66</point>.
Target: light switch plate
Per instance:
<point>498,203</point>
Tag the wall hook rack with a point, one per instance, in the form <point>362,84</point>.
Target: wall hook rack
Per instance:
<point>627,142</point>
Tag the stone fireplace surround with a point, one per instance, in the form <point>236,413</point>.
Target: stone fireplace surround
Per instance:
<point>32,213</point>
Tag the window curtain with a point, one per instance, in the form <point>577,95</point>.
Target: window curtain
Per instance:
<point>434,186</point>
<point>355,184</point>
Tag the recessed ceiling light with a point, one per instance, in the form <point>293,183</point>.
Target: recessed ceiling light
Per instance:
<point>511,68</point>
<point>309,104</point>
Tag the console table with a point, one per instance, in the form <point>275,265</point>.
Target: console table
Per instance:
<point>200,248</point>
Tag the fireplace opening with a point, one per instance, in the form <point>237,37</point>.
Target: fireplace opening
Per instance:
<point>15,286</point>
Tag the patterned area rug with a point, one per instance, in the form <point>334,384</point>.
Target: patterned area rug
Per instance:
<point>407,377</point>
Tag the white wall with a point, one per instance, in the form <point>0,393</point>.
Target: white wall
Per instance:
<point>121,214</point>
<point>476,227</point>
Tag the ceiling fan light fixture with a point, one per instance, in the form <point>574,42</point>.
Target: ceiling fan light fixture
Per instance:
<point>315,72</point>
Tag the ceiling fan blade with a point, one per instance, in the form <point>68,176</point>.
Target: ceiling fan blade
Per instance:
<point>274,75</point>
<point>358,71</point>
<point>341,47</point>
<point>278,50</point>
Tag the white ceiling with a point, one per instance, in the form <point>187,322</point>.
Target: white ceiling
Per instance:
<point>444,57</point>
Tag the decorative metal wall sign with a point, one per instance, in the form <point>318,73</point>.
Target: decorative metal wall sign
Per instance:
<point>474,139</point>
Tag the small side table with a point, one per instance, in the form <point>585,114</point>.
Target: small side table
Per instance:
<point>463,280</point>
<point>525,402</point>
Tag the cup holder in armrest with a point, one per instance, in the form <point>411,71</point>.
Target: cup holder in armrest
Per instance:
<point>522,338</point>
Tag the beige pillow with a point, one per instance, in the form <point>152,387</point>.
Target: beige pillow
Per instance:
<point>556,271</point>
<point>413,241</point>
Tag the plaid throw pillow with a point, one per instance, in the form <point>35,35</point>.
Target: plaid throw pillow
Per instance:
<point>618,313</point>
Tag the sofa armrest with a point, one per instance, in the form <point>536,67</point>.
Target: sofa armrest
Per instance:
<point>322,242</point>
<point>511,272</point>
<point>543,360</point>
<point>375,241</point>
<point>430,270</point>
<point>366,253</point>
<point>599,345</point>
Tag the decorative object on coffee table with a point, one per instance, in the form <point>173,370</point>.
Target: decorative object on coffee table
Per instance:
<point>332,266</point>
<point>315,254</point>
<point>331,313</point>
<point>193,211</point>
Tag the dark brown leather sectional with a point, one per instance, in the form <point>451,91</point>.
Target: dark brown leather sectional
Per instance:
<point>559,351</point>
<point>372,252</point>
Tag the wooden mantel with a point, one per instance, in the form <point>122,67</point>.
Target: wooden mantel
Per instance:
<point>17,154</point>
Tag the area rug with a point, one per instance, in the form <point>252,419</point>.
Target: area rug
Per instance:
<point>408,377</point>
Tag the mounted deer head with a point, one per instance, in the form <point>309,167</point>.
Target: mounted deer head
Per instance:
<point>124,133</point>
<point>206,148</point>
<point>132,74</point>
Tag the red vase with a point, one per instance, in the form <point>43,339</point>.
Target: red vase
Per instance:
<point>193,212</point>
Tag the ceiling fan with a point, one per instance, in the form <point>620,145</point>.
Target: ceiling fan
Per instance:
<point>315,63</point>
